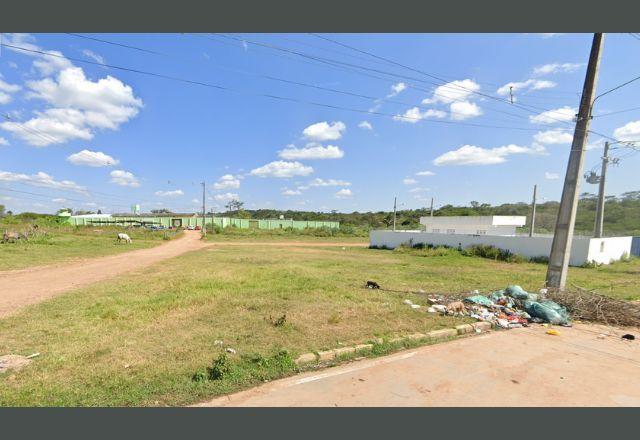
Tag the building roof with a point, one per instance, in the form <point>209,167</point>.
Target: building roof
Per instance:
<point>488,220</point>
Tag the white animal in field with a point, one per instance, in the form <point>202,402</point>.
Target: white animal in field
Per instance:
<point>125,237</point>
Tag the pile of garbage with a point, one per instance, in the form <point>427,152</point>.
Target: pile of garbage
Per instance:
<point>512,307</point>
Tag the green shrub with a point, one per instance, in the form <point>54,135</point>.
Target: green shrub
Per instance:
<point>493,253</point>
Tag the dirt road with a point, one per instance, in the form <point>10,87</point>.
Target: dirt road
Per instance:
<point>20,288</point>
<point>520,367</point>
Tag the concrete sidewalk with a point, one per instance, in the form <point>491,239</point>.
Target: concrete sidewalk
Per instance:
<point>520,367</point>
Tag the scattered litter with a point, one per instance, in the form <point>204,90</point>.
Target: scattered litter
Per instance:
<point>475,292</point>
<point>218,342</point>
<point>431,310</point>
<point>126,365</point>
<point>628,337</point>
<point>415,306</point>
<point>440,308</point>
<point>407,302</point>
<point>31,356</point>
<point>372,285</point>
<point>543,291</point>
<point>231,350</point>
<point>553,332</point>
<point>480,300</point>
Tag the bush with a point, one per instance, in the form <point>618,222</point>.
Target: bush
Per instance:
<point>493,253</point>
<point>426,250</point>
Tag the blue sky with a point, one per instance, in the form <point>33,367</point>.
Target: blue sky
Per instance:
<point>90,136</point>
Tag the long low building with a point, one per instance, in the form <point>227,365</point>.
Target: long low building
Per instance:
<point>583,249</point>
<point>183,221</point>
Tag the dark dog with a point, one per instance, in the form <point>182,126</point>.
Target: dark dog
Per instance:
<point>372,285</point>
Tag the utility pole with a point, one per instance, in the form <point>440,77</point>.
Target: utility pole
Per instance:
<point>563,234</point>
<point>394,214</point>
<point>533,211</point>
<point>597,233</point>
<point>204,212</point>
<point>431,210</point>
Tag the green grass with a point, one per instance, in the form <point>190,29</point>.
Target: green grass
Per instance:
<point>144,338</point>
<point>66,243</point>
<point>309,234</point>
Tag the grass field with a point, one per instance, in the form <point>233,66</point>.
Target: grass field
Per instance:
<point>140,340</point>
<point>68,243</point>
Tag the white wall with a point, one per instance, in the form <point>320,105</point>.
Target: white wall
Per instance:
<point>525,246</point>
<point>613,249</point>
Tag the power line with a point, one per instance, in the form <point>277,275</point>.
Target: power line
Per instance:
<point>266,95</point>
<point>115,44</point>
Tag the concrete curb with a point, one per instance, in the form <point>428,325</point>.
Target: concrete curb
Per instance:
<point>328,355</point>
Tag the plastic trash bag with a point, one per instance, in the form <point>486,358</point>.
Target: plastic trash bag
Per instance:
<point>516,292</point>
<point>479,299</point>
<point>547,311</point>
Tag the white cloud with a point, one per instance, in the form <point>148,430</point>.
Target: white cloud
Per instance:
<point>409,181</point>
<point>94,56</point>
<point>344,193</point>
<point>548,69</point>
<point>473,155</point>
<point>311,151</point>
<point>59,200</point>
<point>418,190</point>
<point>329,182</point>
<point>226,197</point>
<point>323,131</point>
<point>628,132</point>
<point>12,65</point>
<point>425,173</point>
<point>396,89</point>
<point>228,181</point>
<point>172,193</point>
<point>92,159</point>
<point>414,115</point>
<point>464,110</point>
<point>124,178</point>
<point>41,179</point>
<point>282,169</point>
<point>291,192</point>
<point>553,137</point>
<point>562,114</point>
<point>45,64</point>
<point>365,125</point>
<point>549,35</point>
<point>458,90</point>
<point>3,141</point>
<point>53,126</point>
<point>195,201</point>
<point>530,84</point>
<point>551,176</point>
<point>6,90</point>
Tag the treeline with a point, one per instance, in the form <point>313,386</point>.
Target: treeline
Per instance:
<point>622,215</point>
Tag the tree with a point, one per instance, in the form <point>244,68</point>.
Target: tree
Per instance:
<point>161,211</point>
<point>99,211</point>
<point>61,210</point>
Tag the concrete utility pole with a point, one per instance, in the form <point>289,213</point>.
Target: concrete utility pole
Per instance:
<point>563,235</point>
<point>204,212</point>
<point>394,214</point>
<point>533,211</point>
<point>431,209</point>
<point>597,232</point>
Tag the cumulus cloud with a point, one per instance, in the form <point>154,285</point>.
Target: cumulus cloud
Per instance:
<point>53,126</point>
<point>425,173</point>
<point>323,131</point>
<point>628,132</point>
<point>464,110</point>
<point>228,181</point>
<point>344,193</point>
<point>329,182</point>
<point>458,90</point>
<point>172,193</point>
<point>291,192</point>
<point>59,200</point>
<point>474,155</point>
<point>92,159</point>
<point>310,152</point>
<point>530,84</point>
<point>418,189</point>
<point>45,64</point>
<point>6,90</point>
<point>41,179</point>
<point>549,35</point>
<point>282,169</point>
<point>226,197</point>
<point>396,89</point>
<point>551,176</point>
<point>553,137</point>
<point>124,178</point>
<point>365,125</point>
<point>562,114</point>
<point>3,141</point>
<point>548,69</point>
<point>414,115</point>
<point>409,181</point>
<point>94,56</point>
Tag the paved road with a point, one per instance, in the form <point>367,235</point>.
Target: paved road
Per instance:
<point>520,367</point>
<point>20,288</point>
